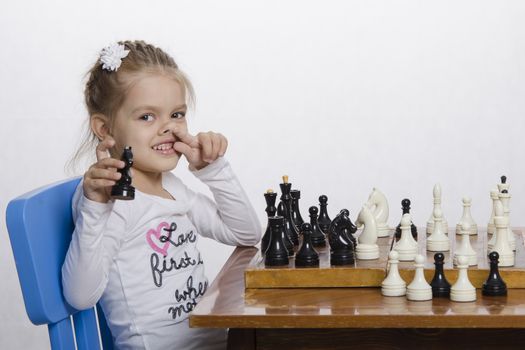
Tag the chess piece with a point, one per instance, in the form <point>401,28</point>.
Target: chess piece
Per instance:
<point>296,212</point>
<point>393,285</point>
<point>438,241</point>
<point>491,228</point>
<point>465,248</point>
<point>505,199</point>
<point>406,246</point>
<point>122,189</point>
<point>440,285</point>
<point>437,205</point>
<point>463,290</point>
<point>285,210</point>
<point>494,285</point>
<point>378,205</point>
<point>503,187</point>
<point>324,220</point>
<point>318,238</point>
<point>276,254</point>
<point>270,198</point>
<point>367,248</point>
<point>405,206</point>
<point>341,247</point>
<point>348,228</point>
<point>502,246</point>
<point>467,218</point>
<point>419,289</point>
<point>307,256</point>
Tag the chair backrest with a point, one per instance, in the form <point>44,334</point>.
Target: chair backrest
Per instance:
<point>40,226</point>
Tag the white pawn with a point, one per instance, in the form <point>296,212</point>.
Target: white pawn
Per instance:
<point>491,228</point>
<point>467,218</point>
<point>437,204</point>
<point>465,248</point>
<point>406,247</point>
<point>419,289</point>
<point>393,285</point>
<point>367,248</point>
<point>378,205</point>
<point>463,290</point>
<point>438,241</point>
<point>502,246</point>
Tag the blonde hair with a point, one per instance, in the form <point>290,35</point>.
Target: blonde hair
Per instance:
<point>105,90</point>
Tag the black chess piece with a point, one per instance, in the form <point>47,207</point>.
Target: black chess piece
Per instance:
<point>341,247</point>
<point>347,227</point>
<point>405,206</point>
<point>307,256</point>
<point>270,198</point>
<point>504,181</point>
<point>122,189</point>
<point>440,285</point>
<point>494,285</point>
<point>318,238</point>
<point>285,209</point>
<point>296,212</point>
<point>276,254</point>
<point>324,220</point>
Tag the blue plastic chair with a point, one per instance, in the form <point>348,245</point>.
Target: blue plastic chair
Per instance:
<point>40,226</point>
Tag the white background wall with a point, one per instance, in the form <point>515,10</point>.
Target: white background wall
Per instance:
<point>341,96</point>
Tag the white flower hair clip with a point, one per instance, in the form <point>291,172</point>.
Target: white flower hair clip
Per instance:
<point>112,55</point>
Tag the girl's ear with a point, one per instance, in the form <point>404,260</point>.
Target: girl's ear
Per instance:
<point>99,125</point>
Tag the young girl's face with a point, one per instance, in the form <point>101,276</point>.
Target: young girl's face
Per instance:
<point>150,120</point>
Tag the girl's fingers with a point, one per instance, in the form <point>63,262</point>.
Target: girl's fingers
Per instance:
<point>223,145</point>
<point>104,146</point>
<point>100,183</point>
<point>99,173</point>
<point>110,163</point>
<point>206,146</point>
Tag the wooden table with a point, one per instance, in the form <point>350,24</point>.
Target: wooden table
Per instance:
<point>345,318</point>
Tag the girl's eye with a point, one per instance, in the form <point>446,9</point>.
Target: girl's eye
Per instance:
<point>178,115</point>
<point>146,117</point>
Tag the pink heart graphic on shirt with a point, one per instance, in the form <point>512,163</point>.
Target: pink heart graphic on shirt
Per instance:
<point>159,247</point>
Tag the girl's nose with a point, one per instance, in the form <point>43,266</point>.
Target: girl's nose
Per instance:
<point>167,128</point>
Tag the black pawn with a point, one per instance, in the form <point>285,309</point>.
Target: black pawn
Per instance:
<point>296,212</point>
<point>494,285</point>
<point>276,254</point>
<point>306,256</point>
<point>405,206</point>
<point>324,220</point>
<point>122,189</point>
<point>318,238</point>
<point>270,198</point>
<point>440,285</point>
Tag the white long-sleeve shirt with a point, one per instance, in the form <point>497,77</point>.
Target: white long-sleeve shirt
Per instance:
<point>140,259</point>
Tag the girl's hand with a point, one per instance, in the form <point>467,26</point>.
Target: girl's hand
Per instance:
<point>103,174</point>
<point>202,149</point>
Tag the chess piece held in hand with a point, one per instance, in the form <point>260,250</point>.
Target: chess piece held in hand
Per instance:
<point>122,189</point>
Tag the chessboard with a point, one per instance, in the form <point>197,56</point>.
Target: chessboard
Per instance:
<point>370,273</point>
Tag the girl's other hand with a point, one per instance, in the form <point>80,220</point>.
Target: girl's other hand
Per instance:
<point>103,174</point>
<point>202,149</point>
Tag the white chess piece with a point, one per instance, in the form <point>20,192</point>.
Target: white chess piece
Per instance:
<point>502,246</point>
<point>438,241</point>
<point>437,205</point>
<point>465,248</point>
<point>419,289</point>
<point>467,218</point>
<point>367,248</point>
<point>407,245</point>
<point>463,290</point>
<point>378,205</point>
<point>491,228</point>
<point>393,285</point>
<point>505,199</point>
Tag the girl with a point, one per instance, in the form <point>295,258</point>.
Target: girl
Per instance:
<point>139,257</point>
